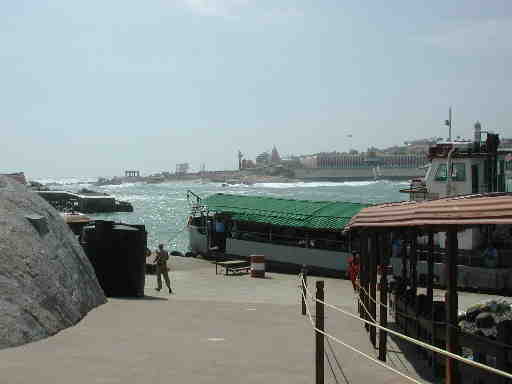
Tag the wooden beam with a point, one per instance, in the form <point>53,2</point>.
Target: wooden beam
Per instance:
<point>413,259</point>
<point>403,251</point>
<point>385,252</point>
<point>372,306</point>
<point>452,305</point>
<point>319,337</point>
<point>430,296</point>
<point>363,250</point>
<point>430,271</point>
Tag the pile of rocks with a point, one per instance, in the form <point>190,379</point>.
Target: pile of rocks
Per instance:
<point>492,319</point>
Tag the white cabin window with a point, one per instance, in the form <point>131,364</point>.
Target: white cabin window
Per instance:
<point>458,172</point>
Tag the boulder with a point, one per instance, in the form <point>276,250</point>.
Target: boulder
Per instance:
<point>484,320</point>
<point>46,281</point>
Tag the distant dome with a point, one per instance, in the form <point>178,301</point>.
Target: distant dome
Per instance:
<point>46,280</point>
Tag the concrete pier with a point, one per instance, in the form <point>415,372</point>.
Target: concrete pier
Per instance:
<point>215,329</point>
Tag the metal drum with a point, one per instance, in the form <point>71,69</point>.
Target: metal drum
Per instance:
<point>257,266</point>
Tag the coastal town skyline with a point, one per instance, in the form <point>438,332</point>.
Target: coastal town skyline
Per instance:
<point>96,88</point>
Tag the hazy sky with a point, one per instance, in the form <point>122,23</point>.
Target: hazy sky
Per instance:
<point>91,88</point>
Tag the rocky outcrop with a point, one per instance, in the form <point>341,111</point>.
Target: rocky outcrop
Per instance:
<point>491,318</point>
<point>46,281</point>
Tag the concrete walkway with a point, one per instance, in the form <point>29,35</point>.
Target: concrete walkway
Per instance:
<point>215,329</point>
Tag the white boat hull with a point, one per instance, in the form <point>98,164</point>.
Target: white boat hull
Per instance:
<point>278,256</point>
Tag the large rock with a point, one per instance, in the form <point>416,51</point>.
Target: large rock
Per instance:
<point>46,281</point>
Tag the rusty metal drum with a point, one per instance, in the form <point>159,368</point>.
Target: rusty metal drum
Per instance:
<point>257,266</point>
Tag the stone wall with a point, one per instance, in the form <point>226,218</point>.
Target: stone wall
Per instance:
<point>46,281</point>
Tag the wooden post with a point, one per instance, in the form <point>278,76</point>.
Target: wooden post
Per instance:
<point>430,295</point>
<point>403,250</point>
<point>405,277</point>
<point>372,307</point>
<point>452,305</point>
<point>430,271</point>
<point>362,272</point>
<point>414,262</point>
<point>384,251</point>
<point>365,277</point>
<point>304,285</point>
<point>319,323</point>
<point>413,259</point>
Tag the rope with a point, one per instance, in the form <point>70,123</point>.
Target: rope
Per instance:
<point>415,341</point>
<point>353,349</point>
<point>395,312</point>
<point>385,305</point>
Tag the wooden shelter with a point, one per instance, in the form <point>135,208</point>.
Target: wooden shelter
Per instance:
<point>378,225</point>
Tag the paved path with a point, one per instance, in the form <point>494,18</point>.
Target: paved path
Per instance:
<point>215,329</point>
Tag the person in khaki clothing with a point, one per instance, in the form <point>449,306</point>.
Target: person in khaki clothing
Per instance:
<point>161,268</point>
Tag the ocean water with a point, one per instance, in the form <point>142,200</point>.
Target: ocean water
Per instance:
<point>163,208</point>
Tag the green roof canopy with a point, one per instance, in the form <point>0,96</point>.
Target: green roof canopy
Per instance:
<point>329,215</point>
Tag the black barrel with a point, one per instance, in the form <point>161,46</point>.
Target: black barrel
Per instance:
<point>117,253</point>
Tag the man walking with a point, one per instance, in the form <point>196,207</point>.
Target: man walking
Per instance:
<point>161,268</point>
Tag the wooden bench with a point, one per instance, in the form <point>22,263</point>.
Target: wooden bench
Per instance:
<point>232,266</point>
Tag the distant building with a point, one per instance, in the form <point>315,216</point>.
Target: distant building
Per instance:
<point>274,156</point>
<point>505,143</point>
<point>337,160</point>
<point>247,164</point>
<point>18,176</point>
<point>182,169</point>
<point>308,161</point>
<point>263,158</point>
<point>131,173</point>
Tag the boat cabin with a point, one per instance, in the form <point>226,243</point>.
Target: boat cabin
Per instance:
<point>462,168</point>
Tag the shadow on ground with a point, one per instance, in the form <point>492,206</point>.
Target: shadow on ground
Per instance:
<point>144,298</point>
<point>409,358</point>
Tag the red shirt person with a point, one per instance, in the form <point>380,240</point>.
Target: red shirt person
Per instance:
<point>353,270</point>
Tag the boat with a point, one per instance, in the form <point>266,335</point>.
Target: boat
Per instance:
<point>84,201</point>
<point>76,221</point>
<point>466,169</point>
<point>288,233</point>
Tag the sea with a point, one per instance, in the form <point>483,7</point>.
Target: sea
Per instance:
<point>164,208</point>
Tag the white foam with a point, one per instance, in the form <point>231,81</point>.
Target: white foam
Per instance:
<point>316,184</point>
<point>66,180</point>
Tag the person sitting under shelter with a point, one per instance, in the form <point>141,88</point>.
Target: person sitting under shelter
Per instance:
<point>490,256</point>
<point>353,270</point>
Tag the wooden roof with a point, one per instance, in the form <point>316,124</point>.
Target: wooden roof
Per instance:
<point>464,211</point>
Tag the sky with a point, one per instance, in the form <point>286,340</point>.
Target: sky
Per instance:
<point>92,88</point>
